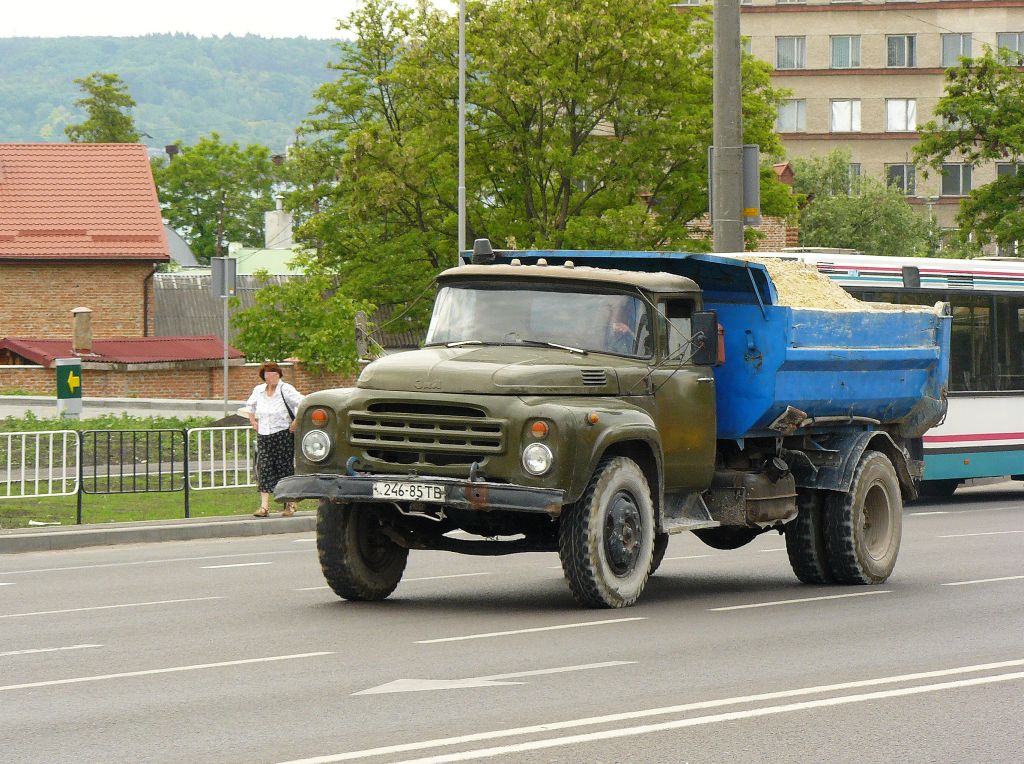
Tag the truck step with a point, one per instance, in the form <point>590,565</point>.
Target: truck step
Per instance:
<point>673,525</point>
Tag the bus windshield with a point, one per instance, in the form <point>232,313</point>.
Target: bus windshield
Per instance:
<point>598,322</point>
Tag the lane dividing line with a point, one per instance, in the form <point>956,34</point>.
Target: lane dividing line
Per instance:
<point>926,514</point>
<point>150,562</point>
<point>5,583</point>
<point>985,580</point>
<point>699,721</point>
<point>46,650</point>
<point>799,601</point>
<point>965,535</point>
<point>527,631</point>
<point>108,607</point>
<point>404,580</point>
<point>234,565</point>
<point>196,667</point>
<point>646,713</point>
<point>688,557</point>
<point>762,551</point>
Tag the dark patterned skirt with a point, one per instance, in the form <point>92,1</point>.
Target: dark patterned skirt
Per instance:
<point>275,458</point>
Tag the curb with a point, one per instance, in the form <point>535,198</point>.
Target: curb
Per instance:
<point>20,540</point>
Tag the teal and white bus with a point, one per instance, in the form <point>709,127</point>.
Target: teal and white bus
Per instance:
<point>983,433</point>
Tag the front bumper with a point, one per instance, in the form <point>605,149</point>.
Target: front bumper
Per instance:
<point>463,494</point>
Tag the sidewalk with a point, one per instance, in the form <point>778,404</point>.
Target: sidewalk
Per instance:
<point>45,407</point>
<point>50,538</point>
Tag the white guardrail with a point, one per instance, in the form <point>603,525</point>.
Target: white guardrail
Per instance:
<point>38,464</point>
<point>221,457</point>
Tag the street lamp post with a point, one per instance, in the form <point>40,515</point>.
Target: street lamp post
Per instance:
<point>462,128</point>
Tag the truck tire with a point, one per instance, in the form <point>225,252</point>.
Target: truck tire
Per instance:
<point>359,562</point>
<point>660,547</point>
<point>805,539</point>
<point>606,539</point>
<point>863,527</point>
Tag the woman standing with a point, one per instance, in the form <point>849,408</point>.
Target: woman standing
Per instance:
<point>272,408</point>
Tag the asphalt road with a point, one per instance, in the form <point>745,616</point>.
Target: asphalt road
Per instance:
<point>233,651</point>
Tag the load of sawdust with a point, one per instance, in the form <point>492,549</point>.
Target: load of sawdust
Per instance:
<point>800,285</point>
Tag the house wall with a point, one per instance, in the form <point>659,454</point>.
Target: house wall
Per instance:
<point>183,384</point>
<point>38,297</point>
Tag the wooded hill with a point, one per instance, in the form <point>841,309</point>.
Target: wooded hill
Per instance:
<point>249,89</point>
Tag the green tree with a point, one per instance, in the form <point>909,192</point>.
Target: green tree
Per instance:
<point>876,220</point>
<point>980,117</point>
<point>108,105</point>
<point>215,192</point>
<point>827,175</point>
<point>588,126</point>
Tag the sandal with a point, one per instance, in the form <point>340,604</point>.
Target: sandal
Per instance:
<point>261,513</point>
<point>289,510</point>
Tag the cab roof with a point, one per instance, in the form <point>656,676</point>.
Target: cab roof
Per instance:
<point>650,282</point>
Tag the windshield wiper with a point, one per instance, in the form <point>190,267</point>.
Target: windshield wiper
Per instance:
<point>542,343</point>
<point>460,343</point>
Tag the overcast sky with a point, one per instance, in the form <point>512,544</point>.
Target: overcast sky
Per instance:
<point>268,18</point>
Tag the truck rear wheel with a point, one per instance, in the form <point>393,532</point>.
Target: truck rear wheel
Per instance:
<point>805,539</point>
<point>358,560</point>
<point>863,527</point>
<point>606,539</point>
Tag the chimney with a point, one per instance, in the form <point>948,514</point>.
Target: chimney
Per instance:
<point>81,331</point>
<point>277,226</point>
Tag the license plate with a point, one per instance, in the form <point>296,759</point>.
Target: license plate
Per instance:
<point>398,490</point>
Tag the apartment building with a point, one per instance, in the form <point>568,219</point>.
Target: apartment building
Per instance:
<point>865,75</point>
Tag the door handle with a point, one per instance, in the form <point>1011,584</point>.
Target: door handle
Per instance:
<point>705,380</point>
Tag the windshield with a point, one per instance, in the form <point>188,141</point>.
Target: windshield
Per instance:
<point>602,323</point>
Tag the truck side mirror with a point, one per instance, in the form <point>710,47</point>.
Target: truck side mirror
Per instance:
<point>708,339</point>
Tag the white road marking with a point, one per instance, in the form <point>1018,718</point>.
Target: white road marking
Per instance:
<point>688,557</point>
<point>924,514</point>
<point>46,650</point>
<point>108,607</point>
<point>989,533</point>
<point>405,580</point>
<point>7,584</point>
<point>527,631</point>
<point>147,672</point>
<point>150,562</point>
<point>985,580</point>
<point>698,721</point>
<point>302,541</point>
<point>453,575</point>
<point>799,601</point>
<point>495,680</point>
<point>781,549</point>
<point>645,713</point>
<point>234,565</point>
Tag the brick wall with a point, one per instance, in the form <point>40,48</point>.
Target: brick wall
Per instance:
<point>777,232</point>
<point>38,298</point>
<point>187,384</point>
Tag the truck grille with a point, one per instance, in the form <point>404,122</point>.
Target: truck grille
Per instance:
<point>415,433</point>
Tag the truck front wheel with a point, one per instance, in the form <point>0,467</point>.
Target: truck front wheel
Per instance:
<point>358,560</point>
<point>863,527</point>
<point>606,539</point>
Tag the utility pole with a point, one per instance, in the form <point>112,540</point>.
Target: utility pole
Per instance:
<point>462,128</point>
<point>727,202</point>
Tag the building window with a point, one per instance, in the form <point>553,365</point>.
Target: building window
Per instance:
<point>953,47</point>
<point>854,170</point>
<point>790,52</point>
<point>1011,41</point>
<point>902,177</point>
<point>845,51</point>
<point>900,115</point>
<point>686,2</point>
<point>956,179</point>
<point>745,44</point>
<point>846,116</point>
<point>901,50</point>
<point>790,2</point>
<point>1004,169</point>
<point>792,116</point>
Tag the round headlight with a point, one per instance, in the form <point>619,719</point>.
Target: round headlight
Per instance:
<point>316,444</point>
<point>537,458</point>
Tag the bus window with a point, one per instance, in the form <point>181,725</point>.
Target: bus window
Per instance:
<point>971,365</point>
<point>1010,342</point>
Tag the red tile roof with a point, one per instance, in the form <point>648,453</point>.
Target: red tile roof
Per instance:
<point>93,201</point>
<point>123,350</point>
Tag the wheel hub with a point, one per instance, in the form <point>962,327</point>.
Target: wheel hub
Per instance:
<point>622,534</point>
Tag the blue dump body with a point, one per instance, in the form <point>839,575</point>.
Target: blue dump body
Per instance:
<point>885,366</point>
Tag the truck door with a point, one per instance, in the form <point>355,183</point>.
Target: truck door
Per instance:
<point>684,401</point>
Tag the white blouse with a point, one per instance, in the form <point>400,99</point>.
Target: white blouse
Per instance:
<point>271,415</point>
